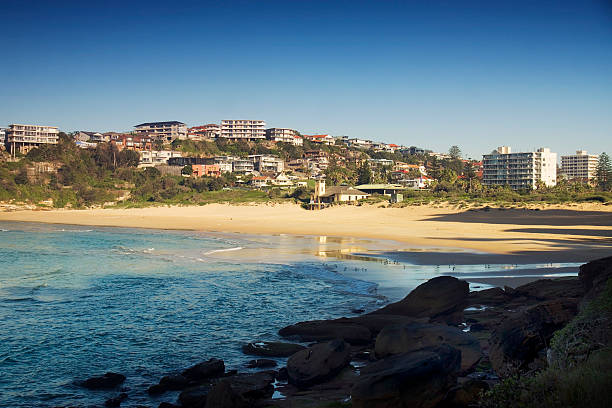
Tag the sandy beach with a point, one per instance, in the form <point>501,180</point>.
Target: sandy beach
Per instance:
<point>552,233</point>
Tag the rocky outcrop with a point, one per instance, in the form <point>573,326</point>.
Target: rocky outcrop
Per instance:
<point>489,297</point>
<point>116,401</point>
<point>441,299</point>
<point>318,363</point>
<point>195,397</point>
<point>522,335</point>
<point>551,289</point>
<point>418,379</point>
<point>261,363</point>
<point>323,330</point>
<point>106,381</point>
<point>241,390</point>
<point>411,337</point>
<point>271,349</point>
<point>594,276</point>
<point>205,370</point>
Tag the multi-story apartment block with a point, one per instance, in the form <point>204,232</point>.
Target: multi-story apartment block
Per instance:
<point>243,166</point>
<point>132,141</point>
<point>580,165</point>
<point>166,131</point>
<point>265,163</point>
<point>324,139</point>
<point>243,129</point>
<point>284,135</point>
<point>23,138</point>
<point>520,171</point>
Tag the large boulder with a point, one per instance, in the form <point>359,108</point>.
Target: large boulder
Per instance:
<point>551,289</point>
<point>594,276</point>
<point>205,370</point>
<point>102,382</point>
<point>418,379</point>
<point>241,390</point>
<point>271,348</point>
<point>376,322</point>
<point>516,342</point>
<point>318,363</point>
<point>411,337</point>
<point>195,397</point>
<point>323,330</point>
<point>441,299</point>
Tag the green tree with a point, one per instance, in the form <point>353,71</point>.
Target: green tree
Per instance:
<point>454,152</point>
<point>603,172</point>
<point>364,174</point>
<point>187,170</point>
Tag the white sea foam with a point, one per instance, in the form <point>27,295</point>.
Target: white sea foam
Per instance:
<point>73,230</point>
<point>214,251</point>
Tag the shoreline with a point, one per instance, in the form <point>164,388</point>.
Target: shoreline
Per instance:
<point>426,235</point>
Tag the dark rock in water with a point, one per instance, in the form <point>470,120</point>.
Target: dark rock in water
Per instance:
<point>174,382</point>
<point>106,381</point>
<point>156,389</point>
<point>417,379</point>
<point>223,395</point>
<point>322,330</point>
<point>318,363</point>
<point>552,289</point>
<point>116,401</point>
<point>282,374</point>
<point>271,349</point>
<point>441,299</point>
<point>167,405</point>
<point>261,363</point>
<point>415,336</point>
<point>195,397</point>
<point>253,386</point>
<point>594,276</point>
<point>519,338</point>
<point>357,311</point>
<point>205,370</point>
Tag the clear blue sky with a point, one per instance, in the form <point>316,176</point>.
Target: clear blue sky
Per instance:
<point>426,73</point>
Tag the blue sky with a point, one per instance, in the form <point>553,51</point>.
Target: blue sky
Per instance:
<point>425,73</point>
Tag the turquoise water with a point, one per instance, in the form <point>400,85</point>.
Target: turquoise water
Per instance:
<point>80,301</point>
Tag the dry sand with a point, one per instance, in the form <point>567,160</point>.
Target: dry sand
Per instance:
<point>550,234</point>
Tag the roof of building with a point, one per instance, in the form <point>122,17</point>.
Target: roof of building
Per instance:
<point>381,187</point>
<point>333,190</point>
<point>316,136</point>
<point>172,122</point>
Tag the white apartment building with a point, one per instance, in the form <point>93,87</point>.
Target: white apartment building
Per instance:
<point>284,135</point>
<point>165,131</point>
<point>23,138</point>
<point>151,158</point>
<point>2,137</point>
<point>520,171</point>
<point>265,163</point>
<point>243,129</point>
<point>580,165</point>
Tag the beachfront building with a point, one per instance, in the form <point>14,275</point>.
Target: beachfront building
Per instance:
<point>579,166</point>
<point>520,171</point>
<point>23,138</point>
<point>2,137</point>
<point>164,131</point>
<point>284,135</point>
<point>265,163</point>
<point>246,166</point>
<point>243,129</point>
<point>85,136</point>
<point>336,194</point>
<point>152,158</point>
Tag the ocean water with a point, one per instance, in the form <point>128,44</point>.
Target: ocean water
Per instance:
<point>80,301</point>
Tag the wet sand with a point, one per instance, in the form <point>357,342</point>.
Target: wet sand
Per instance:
<point>438,234</point>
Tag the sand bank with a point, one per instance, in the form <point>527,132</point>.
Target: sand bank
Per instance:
<point>550,234</point>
